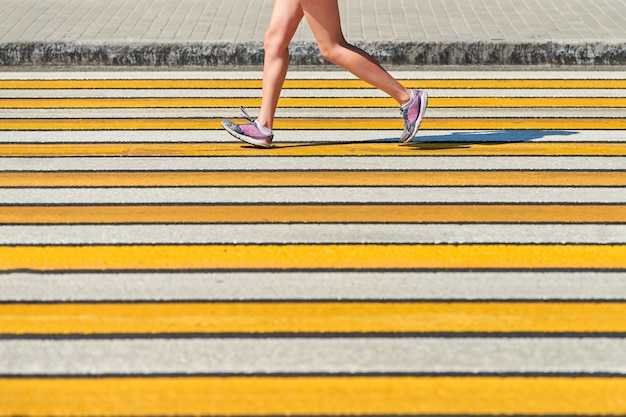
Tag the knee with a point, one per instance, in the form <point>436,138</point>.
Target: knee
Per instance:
<point>332,52</point>
<point>275,42</point>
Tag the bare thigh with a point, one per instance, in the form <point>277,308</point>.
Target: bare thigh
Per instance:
<point>324,19</point>
<point>325,22</point>
<point>286,16</point>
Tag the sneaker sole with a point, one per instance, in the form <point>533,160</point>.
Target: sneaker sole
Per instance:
<point>418,122</point>
<point>247,139</point>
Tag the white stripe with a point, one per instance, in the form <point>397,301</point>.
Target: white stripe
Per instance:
<point>234,195</point>
<point>313,285</point>
<point>296,355</point>
<point>248,163</point>
<point>315,93</point>
<point>312,234</point>
<point>482,73</point>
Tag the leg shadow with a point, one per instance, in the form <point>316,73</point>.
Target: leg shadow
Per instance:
<point>452,140</point>
<point>464,139</point>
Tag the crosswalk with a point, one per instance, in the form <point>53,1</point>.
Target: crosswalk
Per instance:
<point>150,265</point>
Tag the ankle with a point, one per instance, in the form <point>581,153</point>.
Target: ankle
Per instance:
<point>404,101</point>
<point>260,121</point>
<point>263,128</point>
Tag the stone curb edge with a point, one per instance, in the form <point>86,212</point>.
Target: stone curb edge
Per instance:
<point>304,53</point>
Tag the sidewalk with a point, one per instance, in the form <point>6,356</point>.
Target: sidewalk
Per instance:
<point>219,33</point>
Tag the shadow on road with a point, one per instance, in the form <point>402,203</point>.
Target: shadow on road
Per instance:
<point>461,140</point>
<point>495,136</point>
<point>454,140</point>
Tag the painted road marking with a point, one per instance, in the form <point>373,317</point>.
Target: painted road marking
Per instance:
<point>229,214</point>
<point>313,257</point>
<point>309,84</point>
<point>313,179</point>
<point>323,149</point>
<point>280,355</point>
<point>353,318</point>
<point>482,123</point>
<point>511,286</point>
<point>258,162</point>
<point>360,233</point>
<point>313,102</point>
<point>505,294</point>
<point>314,395</point>
<point>313,195</point>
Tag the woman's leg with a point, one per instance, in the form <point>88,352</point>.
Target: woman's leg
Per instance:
<point>286,17</point>
<point>323,17</point>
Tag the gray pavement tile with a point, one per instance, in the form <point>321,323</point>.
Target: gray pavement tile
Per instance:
<point>585,32</point>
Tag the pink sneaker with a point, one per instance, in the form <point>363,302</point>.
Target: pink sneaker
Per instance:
<point>251,133</point>
<point>413,113</point>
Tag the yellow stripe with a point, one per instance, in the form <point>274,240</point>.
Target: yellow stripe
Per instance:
<point>310,84</point>
<point>313,178</point>
<point>200,257</point>
<point>306,149</point>
<point>314,396</point>
<point>477,123</point>
<point>312,317</point>
<point>314,214</point>
<point>311,102</point>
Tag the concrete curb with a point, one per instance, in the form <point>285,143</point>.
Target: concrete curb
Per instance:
<point>227,54</point>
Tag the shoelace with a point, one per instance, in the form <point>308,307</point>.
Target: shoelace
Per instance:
<point>246,115</point>
<point>252,120</point>
<point>404,111</point>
